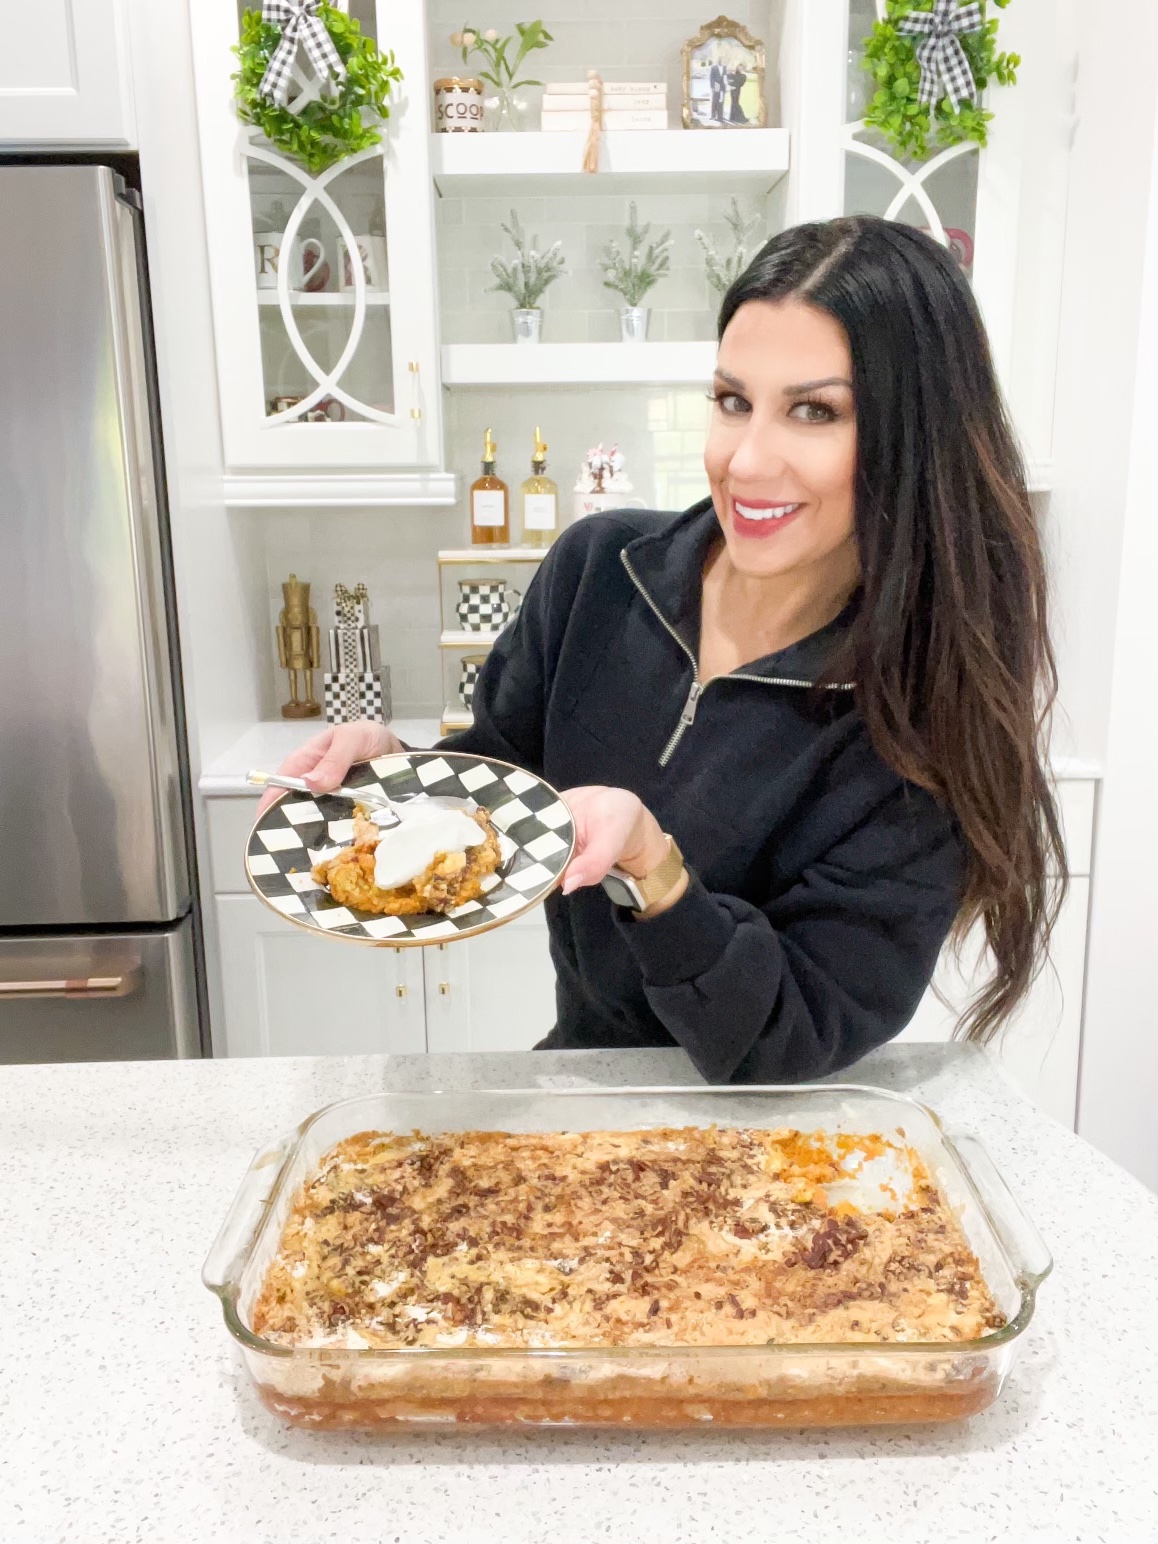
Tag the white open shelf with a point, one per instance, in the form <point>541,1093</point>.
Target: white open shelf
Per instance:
<point>562,364</point>
<point>491,554</point>
<point>465,640</point>
<point>683,160</point>
<point>338,299</point>
<point>455,716</point>
<point>308,490</point>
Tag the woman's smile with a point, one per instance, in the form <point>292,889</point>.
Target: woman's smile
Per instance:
<point>760,518</point>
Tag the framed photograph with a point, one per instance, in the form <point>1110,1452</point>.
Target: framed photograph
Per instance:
<point>724,78</point>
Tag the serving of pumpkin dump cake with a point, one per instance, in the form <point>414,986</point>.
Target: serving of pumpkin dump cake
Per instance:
<point>679,1236</point>
<point>436,860</point>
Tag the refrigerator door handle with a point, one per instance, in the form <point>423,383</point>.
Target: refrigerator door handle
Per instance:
<point>83,987</point>
<point>123,235</point>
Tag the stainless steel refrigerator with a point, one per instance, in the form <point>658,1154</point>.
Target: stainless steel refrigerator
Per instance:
<point>99,943</point>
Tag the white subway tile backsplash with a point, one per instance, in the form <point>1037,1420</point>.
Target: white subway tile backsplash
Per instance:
<point>690,412</point>
<point>584,225</point>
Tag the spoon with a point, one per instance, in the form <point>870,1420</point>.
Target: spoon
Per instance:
<point>370,797</point>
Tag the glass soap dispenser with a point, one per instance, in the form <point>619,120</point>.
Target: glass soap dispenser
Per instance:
<point>540,500</point>
<point>490,518</point>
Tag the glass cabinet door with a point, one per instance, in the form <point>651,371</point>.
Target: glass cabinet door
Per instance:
<point>323,289</point>
<point>938,195</point>
<point>321,267</point>
<point>1001,210</point>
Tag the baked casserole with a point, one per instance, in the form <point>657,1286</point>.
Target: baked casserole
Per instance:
<point>677,1257</point>
<point>693,1236</point>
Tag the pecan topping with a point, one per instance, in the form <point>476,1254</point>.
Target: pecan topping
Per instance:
<point>748,1228</point>
<point>835,1240</point>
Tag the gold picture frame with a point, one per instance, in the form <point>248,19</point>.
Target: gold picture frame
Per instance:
<point>713,97</point>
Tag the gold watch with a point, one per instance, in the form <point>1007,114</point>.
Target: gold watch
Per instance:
<point>638,894</point>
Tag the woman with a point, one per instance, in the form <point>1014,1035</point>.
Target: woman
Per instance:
<point>805,718</point>
<point>736,81</point>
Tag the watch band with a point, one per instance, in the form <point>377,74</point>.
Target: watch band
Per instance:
<point>653,887</point>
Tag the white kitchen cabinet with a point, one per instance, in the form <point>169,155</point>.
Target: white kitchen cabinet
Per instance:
<point>495,992</point>
<point>292,338</point>
<point>64,76</point>
<point>287,993</point>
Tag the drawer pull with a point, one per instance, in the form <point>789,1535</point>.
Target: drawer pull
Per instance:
<point>444,989</point>
<point>400,990</point>
<point>80,986</point>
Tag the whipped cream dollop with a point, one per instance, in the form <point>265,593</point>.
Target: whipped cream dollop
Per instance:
<point>404,851</point>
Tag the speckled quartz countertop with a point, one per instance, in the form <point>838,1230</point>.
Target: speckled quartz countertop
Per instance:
<point>124,1414</point>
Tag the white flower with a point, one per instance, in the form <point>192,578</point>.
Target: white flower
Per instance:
<point>469,37</point>
<point>456,40</point>
<point>491,35</point>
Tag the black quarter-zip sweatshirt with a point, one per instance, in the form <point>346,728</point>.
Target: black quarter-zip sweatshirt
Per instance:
<point>822,885</point>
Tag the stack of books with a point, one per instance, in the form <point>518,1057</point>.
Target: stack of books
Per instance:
<point>626,105</point>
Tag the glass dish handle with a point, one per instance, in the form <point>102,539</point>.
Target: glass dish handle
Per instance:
<point>1022,1242</point>
<point>222,1268</point>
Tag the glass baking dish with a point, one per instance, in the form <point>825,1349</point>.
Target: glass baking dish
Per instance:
<point>649,1386</point>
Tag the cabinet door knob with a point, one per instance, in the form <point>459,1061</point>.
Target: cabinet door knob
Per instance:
<point>444,989</point>
<point>400,990</point>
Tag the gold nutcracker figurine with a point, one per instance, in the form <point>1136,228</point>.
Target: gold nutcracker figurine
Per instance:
<point>299,648</point>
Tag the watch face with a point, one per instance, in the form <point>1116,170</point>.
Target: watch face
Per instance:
<point>623,892</point>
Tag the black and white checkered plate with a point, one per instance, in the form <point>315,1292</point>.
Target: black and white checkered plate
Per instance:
<point>535,832</point>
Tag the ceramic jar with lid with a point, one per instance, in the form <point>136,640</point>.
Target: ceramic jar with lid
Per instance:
<point>458,105</point>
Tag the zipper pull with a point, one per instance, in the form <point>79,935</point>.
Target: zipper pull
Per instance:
<point>689,712</point>
<point>686,719</point>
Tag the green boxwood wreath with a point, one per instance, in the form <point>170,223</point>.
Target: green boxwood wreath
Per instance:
<point>333,127</point>
<point>890,57</point>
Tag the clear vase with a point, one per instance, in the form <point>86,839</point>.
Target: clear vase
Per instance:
<point>506,111</point>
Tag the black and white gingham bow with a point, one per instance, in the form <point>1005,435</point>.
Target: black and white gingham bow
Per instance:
<point>941,57</point>
<point>300,23</point>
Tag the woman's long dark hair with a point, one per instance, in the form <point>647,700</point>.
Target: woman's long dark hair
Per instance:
<point>950,650</point>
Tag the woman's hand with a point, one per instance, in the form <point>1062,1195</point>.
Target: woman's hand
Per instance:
<point>614,829</point>
<point>324,760</point>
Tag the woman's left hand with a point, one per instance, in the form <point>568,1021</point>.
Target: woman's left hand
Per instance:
<point>613,829</point>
